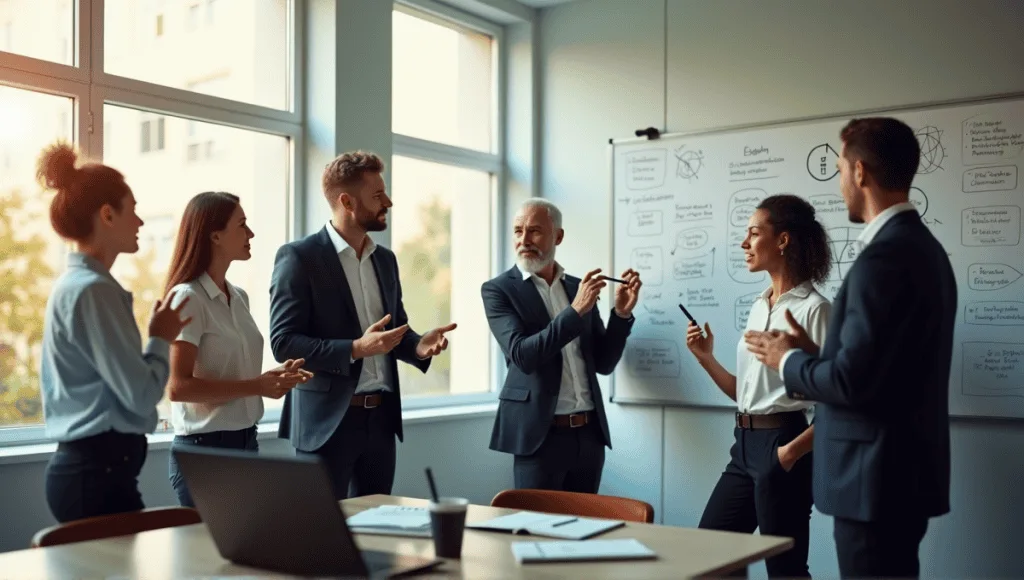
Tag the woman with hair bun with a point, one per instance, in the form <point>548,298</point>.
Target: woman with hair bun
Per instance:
<point>99,388</point>
<point>767,482</point>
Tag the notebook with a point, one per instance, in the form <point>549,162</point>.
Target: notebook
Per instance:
<point>548,525</point>
<point>618,549</point>
<point>392,520</point>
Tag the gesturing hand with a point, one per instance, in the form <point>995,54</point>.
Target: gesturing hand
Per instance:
<point>376,340</point>
<point>433,342</point>
<point>166,322</point>
<point>588,292</point>
<point>627,294</point>
<point>701,345</point>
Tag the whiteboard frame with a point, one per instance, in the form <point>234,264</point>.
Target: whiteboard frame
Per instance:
<point>914,107</point>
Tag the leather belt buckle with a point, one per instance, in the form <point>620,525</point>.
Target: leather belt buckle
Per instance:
<point>371,401</point>
<point>572,420</point>
<point>744,421</point>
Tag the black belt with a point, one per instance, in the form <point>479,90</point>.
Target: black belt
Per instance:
<point>771,421</point>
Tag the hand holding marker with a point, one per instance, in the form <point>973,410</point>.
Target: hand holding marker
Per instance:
<point>687,314</point>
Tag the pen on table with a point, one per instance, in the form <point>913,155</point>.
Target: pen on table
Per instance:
<point>563,522</point>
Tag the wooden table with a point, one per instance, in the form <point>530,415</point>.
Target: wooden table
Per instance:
<point>189,551</point>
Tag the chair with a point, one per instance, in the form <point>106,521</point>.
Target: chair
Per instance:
<point>576,504</point>
<point>122,524</point>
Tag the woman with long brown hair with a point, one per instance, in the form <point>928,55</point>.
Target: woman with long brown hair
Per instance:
<point>217,384</point>
<point>100,391</point>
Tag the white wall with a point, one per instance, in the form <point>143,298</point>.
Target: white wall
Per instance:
<point>605,66</point>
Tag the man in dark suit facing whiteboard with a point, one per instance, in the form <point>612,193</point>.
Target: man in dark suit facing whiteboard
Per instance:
<point>881,381</point>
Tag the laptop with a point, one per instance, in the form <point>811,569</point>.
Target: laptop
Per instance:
<point>279,513</point>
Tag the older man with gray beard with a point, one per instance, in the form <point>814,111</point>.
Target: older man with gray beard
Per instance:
<point>550,411</point>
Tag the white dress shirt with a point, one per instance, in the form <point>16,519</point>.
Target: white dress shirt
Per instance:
<point>865,237</point>
<point>759,389</point>
<point>362,281</point>
<point>574,395</point>
<point>230,347</point>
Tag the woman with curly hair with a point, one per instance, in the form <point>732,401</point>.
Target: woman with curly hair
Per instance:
<point>767,482</point>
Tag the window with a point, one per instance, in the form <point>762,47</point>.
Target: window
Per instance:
<point>38,28</point>
<point>443,82</point>
<point>31,255</point>
<point>248,37</point>
<point>140,121</point>
<point>441,233</point>
<point>255,167</point>
<point>151,135</point>
<point>444,177</point>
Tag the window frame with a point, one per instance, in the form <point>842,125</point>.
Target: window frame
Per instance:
<point>90,88</point>
<point>451,155</point>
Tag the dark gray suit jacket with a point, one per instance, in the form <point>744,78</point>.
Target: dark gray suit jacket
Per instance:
<point>532,342</point>
<point>881,439</point>
<point>313,316</point>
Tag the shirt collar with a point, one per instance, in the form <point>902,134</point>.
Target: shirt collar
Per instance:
<point>80,260</point>
<point>340,245</point>
<point>210,286</point>
<point>801,291</point>
<point>559,273</point>
<point>881,219</point>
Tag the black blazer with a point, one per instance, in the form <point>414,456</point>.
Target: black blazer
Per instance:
<point>532,342</point>
<point>313,316</point>
<point>881,441</point>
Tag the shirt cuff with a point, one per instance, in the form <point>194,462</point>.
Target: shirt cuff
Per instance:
<point>158,347</point>
<point>785,357</point>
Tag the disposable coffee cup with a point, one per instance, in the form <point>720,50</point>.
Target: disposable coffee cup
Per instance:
<point>447,522</point>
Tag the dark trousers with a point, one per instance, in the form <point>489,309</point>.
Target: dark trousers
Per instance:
<point>244,439</point>
<point>754,492</point>
<point>95,476</point>
<point>360,455</point>
<point>570,459</point>
<point>879,549</point>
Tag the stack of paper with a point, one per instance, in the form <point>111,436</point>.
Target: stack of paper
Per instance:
<point>549,525</point>
<point>392,520</point>
<point>624,549</point>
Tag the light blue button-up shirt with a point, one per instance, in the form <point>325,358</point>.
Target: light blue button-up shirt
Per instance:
<point>93,376</point>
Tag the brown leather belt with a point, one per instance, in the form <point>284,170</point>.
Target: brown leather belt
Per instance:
<point>772,421</point>
<point>366,401</point>
<point>574,420</point>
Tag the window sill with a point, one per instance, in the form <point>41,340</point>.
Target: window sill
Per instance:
<point>41,452</point>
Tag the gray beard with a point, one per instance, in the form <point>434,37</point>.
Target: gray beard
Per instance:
<point>534,265</point>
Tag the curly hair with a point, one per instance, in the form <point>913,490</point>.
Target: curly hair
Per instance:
<point>809,255</point>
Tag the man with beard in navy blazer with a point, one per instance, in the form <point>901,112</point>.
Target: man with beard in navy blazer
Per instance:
<point>336,301</point>
<point>550,410</point>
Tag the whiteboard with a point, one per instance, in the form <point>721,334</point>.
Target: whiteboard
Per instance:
<point>680,206</point>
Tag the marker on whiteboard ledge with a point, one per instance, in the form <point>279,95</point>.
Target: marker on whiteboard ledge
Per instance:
<point>687,314</point>
<point>650,132</point>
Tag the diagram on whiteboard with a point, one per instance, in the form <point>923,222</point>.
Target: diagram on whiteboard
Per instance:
<point>689,162</point>
<point>821,162</point>
<point>933,153</point>
<point>681,207</point>
<point>742,205</point>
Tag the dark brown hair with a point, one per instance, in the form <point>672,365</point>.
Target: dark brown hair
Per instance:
<point>887,147</point>
<point>808,255</point>
<point>205,213</point>
<point>348,169</point>
<point>81,191</point>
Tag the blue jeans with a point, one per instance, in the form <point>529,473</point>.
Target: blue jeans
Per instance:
<point>244,440</point>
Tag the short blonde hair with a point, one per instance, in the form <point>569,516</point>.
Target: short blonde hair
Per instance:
<point>348,169</point>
